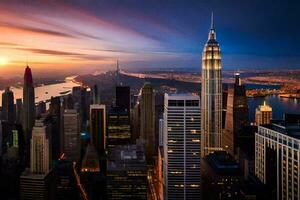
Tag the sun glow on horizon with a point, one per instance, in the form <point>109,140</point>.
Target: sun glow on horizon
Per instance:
<point>3,61</point>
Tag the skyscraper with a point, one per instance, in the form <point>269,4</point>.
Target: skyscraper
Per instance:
<point>211,95</point>
<point>182,146</point>
<point>40,148</point>
<point>28,111</point>
<point>8,106</point>
<point>263,114</point>
<point>98,127</point>
<point>147,116</point>
<point>71,124</point>
<point>38,182</point>
<point>236,115</point>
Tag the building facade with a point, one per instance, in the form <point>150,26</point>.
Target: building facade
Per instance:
<point>236,115</point>
<point>277,158</point>
<point>147,119</point>
<point>98,126</point>
<point>211,95</point>
<point>182,147</point>
<point>118,126</point>
<point>71,124</point>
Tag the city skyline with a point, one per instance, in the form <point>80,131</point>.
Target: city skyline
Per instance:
<point>92,35</point>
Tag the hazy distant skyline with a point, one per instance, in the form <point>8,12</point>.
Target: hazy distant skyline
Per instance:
<point>89,34</point>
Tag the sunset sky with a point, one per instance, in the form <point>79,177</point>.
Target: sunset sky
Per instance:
<point>67,35</point>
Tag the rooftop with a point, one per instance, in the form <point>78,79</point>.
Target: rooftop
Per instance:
<point>127,157</point>
<point>290,125</point>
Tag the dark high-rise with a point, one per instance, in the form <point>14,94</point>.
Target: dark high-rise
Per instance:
<point>147,117</point>
<point>123,97</point>
<point>8,106</point>
<point>56,119</point>
<point>236,115</point>
<point>98,127</point>
<point>28,111</point>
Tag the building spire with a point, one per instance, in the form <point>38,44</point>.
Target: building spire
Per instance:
<point>118,73</point>
<point>212,21</point>
<point>212,32</point>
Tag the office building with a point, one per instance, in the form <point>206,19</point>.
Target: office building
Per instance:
<point>118,126</point>
<point>263,114</point>
<point>211,95</point>
<point>8,106</point>
<point>147,121</point>
<point>40,109</point>
<point>236,115</point>
<point>277,157</point>
<point>127,173</point>
<point>182,146</point>
<point>71,124</point>
<point>98,127</point>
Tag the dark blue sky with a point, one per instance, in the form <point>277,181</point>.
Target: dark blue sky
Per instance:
<point>252,34</point>
<point>153,34</point>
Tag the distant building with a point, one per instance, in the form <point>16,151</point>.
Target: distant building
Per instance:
<point>98,127</point>
<point>8,106</point>
<point>277,157</point>
<point>182,121</point>
<point>147,121</point>
<point>211,95</point>
<point>118,126</point>
<point>71,124</point>
<point>263,114</point>
<point>40,108</point>
<point>127,173</point>
<point>80,101</point>
<point>236,115</point>
<point>95,95</point>
<point>221,177</point>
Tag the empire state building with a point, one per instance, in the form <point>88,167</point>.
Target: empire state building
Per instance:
<point>211,95</point>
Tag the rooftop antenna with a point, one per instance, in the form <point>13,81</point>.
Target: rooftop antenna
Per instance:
<point>118,73</point>
<point>212,21</point>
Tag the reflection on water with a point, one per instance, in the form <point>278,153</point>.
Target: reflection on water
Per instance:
<point>278,104</point>
<point>44,93</point>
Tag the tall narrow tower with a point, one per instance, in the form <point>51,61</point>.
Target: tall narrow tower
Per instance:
<point>28,112</point>
<point>211,95</point>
